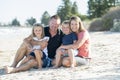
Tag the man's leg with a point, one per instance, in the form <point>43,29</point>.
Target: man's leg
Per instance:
<point>21,52</point>
<point>24,67</point>
<point>26,59</point>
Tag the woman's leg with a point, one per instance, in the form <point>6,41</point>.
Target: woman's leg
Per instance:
<point>24,67</point>
<point>81,61</point>
<point>66,62</point>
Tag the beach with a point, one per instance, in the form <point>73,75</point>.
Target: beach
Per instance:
<point>104,63</point>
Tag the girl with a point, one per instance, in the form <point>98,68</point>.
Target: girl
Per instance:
<point>36,50</point>
<point>37,55</point>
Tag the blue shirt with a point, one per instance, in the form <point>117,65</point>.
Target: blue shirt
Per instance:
<point>69,39</point>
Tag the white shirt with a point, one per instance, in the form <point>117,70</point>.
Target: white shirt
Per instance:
<point>38,46</point>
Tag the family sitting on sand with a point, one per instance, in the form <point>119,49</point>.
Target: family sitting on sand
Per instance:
<point>51,47</point>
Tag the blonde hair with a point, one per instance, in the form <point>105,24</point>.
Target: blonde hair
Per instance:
<point>66,22</point>
<point>77,19</point>
<point>38,25</point>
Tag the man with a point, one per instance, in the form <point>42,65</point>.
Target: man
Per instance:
<point>54,42</point>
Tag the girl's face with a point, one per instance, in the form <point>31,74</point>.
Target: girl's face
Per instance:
<point>65,29</point>
<point>74,26</point>
<point>38,31</point>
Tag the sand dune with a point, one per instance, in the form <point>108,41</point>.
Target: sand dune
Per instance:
<point>105,63</point>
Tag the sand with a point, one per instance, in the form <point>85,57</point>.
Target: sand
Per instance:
<point>105,63</point>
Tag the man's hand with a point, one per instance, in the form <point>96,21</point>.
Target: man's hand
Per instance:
<point>42,43</point>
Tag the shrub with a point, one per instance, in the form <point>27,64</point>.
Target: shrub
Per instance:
<point>96,25</point>
<point>116,27</point>
<point>107,19</point>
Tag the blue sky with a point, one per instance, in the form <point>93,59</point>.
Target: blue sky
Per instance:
<point>24,9</point>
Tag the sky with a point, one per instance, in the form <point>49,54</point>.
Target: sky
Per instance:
<point>25,9</point>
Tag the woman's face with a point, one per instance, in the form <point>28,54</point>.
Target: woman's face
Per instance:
<point>74,26</point>
<point>38,31</point>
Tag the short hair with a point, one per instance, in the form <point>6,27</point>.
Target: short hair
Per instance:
<point>66,22</point>
<point>55,17</point>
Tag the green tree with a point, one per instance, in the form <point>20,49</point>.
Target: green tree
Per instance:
<point>45,18</point>
<point>74,9</point>
<point>64,10</point>
<point>15,22</point>
<point>67,9</point>
<point>31,21</point>
<point>99,7</point>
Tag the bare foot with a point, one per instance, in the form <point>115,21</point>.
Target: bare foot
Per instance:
<point>9,69</point>
<point>39,67</point>
<point>13,65</point>
<point>54,67</point>
<point>72,66</point>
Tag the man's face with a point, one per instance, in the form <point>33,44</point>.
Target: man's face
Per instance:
<point>54,24</point>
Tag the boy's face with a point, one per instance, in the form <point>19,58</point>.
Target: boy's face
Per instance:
<point>65,28</point>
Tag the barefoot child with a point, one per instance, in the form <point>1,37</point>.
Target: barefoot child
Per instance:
<point>68,38</point>
<point>37,53</point>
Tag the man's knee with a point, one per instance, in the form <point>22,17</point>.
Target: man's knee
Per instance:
<point>22,49</point>
<point>23,46</point>
<point>32,63</point>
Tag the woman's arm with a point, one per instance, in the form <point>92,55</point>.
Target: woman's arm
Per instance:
<point>77,44</point>
<point>80,41</point>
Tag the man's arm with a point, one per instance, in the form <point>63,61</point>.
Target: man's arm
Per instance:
<point>27,42</point>
<point>42,43</point>
<point>30,42</point>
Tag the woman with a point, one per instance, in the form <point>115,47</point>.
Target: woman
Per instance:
<point>83,43</point>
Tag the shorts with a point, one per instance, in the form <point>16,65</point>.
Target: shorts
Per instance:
<point>74,51</point>
<point>47,62</point>
<point>33,54</point>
